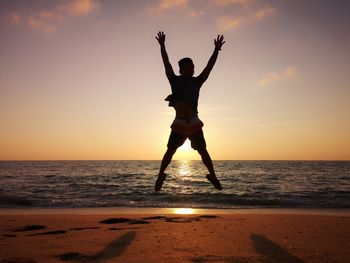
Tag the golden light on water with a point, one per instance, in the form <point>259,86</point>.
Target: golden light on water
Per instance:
<point>184,168</point>
<point>183,211</point>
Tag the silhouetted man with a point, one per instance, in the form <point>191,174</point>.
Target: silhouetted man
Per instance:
<point>184,98</point>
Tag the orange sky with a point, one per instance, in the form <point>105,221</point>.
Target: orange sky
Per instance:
<point>83,79</point>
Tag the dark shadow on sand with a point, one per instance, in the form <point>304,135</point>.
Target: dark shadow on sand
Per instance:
<point>113,249</point>
<point>272,252</point>
<point>123,220</point>
<point>54,232</point>
<point>19,260</point>
<point>29,228</point>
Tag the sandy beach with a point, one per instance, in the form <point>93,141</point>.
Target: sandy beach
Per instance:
<point>146,235</point>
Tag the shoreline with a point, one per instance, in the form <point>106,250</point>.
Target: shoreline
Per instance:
<point>173,210</point>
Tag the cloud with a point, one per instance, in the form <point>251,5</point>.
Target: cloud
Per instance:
<point>273,76</point>
<point>80,7</point>
<point>165,5</point>
<point>15,18</point>
<point>269,78</point>
<point>290,72</point>
<point>193,14</point>
<point>228,2</point>
<point>265,12</point>
<point>226,22</point>
<point>246,11</point>
<point>40,25</point>
<point>48,20</point>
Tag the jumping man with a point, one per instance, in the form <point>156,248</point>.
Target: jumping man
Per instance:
<point>184,98</point>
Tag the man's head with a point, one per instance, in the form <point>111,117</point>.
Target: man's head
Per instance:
<point>186,67</point>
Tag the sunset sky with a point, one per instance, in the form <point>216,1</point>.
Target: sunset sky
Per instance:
<point>84,80</point>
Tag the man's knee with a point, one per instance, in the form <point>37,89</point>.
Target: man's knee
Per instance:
<point>171,151</point>
<point>202,151</point>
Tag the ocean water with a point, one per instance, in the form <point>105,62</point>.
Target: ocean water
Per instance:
<point>282,184</point>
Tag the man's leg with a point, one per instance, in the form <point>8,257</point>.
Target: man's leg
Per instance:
<point>209,164</point>
<point>207,160</point>
<point>166,159</point>
<point>165,162</point>
<point>198,143</point>
<point>175,141</point>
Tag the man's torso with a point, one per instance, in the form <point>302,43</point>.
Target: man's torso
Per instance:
<point>186,94</point>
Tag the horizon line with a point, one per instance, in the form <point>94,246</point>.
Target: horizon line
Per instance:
<point>262,160</point>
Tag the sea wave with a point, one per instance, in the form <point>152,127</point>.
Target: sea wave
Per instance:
<point>130,183</point>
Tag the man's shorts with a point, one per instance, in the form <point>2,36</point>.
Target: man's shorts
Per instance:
<point>177,139</point>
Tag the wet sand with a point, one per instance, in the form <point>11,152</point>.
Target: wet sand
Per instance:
<point>151,235</point>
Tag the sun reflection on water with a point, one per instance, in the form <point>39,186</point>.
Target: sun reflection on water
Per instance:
<point>183,211</point>
<point>184,168</point>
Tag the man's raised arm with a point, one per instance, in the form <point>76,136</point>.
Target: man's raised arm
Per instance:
<point>218,42</point>
<point>168,68</point>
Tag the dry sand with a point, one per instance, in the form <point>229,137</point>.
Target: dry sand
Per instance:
<point>251,236</point>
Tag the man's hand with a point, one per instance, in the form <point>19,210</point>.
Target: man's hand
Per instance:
<point>218,42</point>
<point>168,68</point>
<point>161,38</point>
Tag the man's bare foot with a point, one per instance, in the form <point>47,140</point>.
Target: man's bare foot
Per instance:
<point>159,182</point>
<point>214,181</point>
